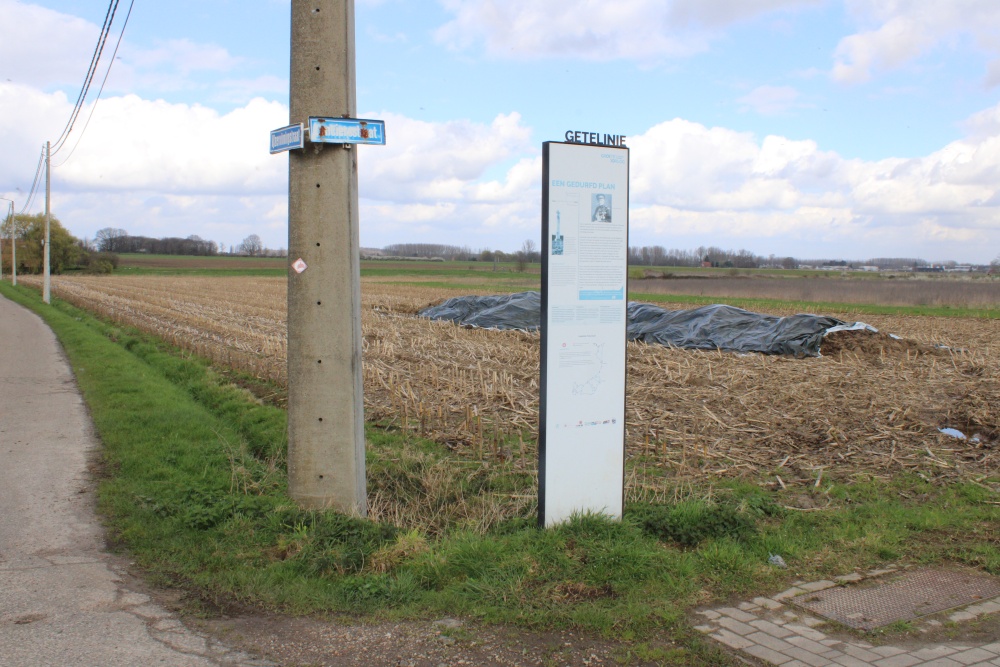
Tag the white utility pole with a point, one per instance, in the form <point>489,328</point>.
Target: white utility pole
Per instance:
<point>326,436</point>
<point>10,221</point>
<point>46,289</point>
<point>13,247</point>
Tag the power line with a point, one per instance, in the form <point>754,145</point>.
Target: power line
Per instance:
<point>35,183</point>
<point>91,70</point>
<point>95,59</point>
<point>98,98</point>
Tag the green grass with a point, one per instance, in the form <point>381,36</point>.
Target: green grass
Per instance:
<point>194,489</point>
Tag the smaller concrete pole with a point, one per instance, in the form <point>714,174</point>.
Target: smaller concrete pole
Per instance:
<point>10,223</point>
<point>46,289</point>
<point>13,248</point>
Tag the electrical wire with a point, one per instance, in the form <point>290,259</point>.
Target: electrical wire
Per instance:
<point>34,185</point>
<point>89,78</point>
<point>98,98</point>
<point>90,70</point>
<point>81,99</point>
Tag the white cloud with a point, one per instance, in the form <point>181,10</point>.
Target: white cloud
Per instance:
<point>41,47</point>
<point>691,180</point>
<point>644,30</point>
<point>902,31</point>
<point>163,169</point>
<point>139,144</point>
<point>157,169</point>
<point>44,49</point>
<point>431,162</point>
<point>28,118</point>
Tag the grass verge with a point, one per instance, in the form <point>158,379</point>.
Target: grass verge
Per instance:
<point>195,491</point>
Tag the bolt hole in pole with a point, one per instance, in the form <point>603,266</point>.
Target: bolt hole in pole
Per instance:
<point>317,244</point>
<point>319,361</point>
<point>321,419</point>
<point>319,303</point>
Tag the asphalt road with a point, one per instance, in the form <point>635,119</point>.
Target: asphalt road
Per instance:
<point>63,599</point>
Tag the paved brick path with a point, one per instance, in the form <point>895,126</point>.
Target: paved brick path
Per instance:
<point>772,631</point>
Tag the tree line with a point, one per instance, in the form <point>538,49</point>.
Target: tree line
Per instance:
<point>526,253</point>
<point>637,256</point>
<point>115,240</point>
<point>110,239</point>
<point>66,252</point>
<point>703,256</point>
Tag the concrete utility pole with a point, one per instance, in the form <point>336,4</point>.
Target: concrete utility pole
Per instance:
<point>46,291</point>
<point>10,221</point>
<point>13,246</point>
<point>326,438</point>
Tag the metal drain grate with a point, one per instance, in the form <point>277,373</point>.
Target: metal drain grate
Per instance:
<point>904,597</point>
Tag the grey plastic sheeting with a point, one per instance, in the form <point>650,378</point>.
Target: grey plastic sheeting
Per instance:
<point>716,327</point>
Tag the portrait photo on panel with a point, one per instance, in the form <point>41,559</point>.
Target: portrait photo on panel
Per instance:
<point>601,207</point>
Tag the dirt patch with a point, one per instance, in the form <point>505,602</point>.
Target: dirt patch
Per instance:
<point>350,641</point>
<point>337,642</point>
<point>876,344</point>
<point>938,629</point>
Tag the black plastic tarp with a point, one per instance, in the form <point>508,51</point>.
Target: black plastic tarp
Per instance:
<point>715,327</point>
<point>499,311</point>
<point>720,327</point>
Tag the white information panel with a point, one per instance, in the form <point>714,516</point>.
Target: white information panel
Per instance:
<point>584,300</point>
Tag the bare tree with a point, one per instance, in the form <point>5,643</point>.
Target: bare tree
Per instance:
<point>251,245</point>
<point>525,254</point>
<point>111,240</point>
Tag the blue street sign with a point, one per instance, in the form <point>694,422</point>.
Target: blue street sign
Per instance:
<point>287,138</point>
<point>346,131</point>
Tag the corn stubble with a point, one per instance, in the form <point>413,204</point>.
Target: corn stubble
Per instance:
<point>869,408</point>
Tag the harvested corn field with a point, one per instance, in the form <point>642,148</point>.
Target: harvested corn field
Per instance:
<point>872,405</point>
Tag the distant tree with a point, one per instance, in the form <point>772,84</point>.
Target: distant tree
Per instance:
<point>429,250</point>
<point>528,248</point>
<point>525,255</point>
<point>98,262</point>
<point>995,262</point>
<point>789,263</point>
<point>110,239</point>
<point>64,251</point>
<point>252,246</point>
